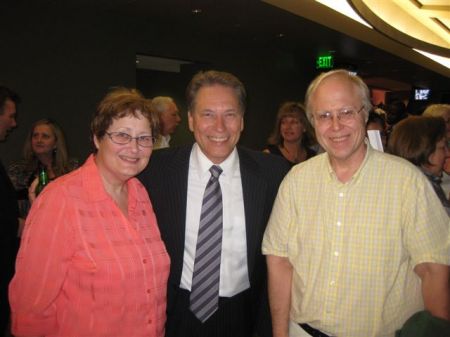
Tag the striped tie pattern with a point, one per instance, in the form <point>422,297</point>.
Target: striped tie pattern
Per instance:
<point>204,298</point>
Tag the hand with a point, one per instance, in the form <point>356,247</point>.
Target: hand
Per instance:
<point>32,190</point>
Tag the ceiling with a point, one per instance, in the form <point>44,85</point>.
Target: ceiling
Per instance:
<point>300,28</point>
<point>423,24</point>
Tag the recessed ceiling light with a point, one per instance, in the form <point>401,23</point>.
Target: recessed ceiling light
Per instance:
<point>280,35</point>
<point>196,11</point>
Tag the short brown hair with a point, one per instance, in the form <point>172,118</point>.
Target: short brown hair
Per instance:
<point>121,102</point>
<point>415,138</point>
<point>213,77</point>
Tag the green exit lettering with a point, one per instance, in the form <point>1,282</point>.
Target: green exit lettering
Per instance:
<point>324,62</point>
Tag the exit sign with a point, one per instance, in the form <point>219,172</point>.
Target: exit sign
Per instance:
<point>324,62</point>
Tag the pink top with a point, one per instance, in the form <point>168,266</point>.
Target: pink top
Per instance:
<point>84,269</point>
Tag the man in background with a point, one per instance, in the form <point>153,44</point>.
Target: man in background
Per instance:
<point>169,119</point>
<point>358,240</point>
<point>9,212</point>
<point>213,200</point>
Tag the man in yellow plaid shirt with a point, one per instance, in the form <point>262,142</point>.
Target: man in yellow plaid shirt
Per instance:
<point>357,241</point>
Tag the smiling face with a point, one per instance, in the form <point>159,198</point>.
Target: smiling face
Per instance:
<point>291,129</point>
<point>43,140</point>
<point>216,121</point>
<point>343,141</point>
<point>118,163</point>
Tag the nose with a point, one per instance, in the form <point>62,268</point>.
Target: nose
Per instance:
<point>335,122</point>
<point>134,146</point>
<point>220,125</point>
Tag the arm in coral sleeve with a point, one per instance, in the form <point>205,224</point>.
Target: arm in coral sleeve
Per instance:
<point>45,252</point>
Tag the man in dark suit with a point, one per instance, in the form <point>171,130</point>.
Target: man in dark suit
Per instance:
<point>249,180</point>
<point>9,212</point>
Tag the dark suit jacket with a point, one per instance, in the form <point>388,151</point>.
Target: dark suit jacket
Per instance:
<point>9,213</point>
<point>166,179</point>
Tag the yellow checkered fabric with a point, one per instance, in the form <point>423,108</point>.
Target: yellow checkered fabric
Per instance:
<point>354,245</point>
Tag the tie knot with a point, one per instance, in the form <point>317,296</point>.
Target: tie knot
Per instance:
<point>215,171</point>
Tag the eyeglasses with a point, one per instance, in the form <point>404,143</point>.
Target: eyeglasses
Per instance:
<point>123,138</point>
<point>344,115</point>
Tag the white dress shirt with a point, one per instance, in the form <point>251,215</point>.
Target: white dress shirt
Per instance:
<point>233,264</point>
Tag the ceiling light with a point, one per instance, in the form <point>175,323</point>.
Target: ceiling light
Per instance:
<point>344,8</point>
<point>445,61</point>
<point>196,11</point>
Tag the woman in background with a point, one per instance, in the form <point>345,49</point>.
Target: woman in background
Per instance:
<point>443,111</point>
<point>422,141</point>
<point>91,261</point>
<point>45,146</point>
<point>293,135</point>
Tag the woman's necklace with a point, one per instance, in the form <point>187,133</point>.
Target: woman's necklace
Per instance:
<point>295,156</point>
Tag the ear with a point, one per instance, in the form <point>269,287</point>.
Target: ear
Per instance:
<point>242,123</point>
<point>190,121</point>
<point>96,142</point>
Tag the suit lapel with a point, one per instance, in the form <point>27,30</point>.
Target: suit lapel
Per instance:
<point>177,193</point>
<point>254,191</point>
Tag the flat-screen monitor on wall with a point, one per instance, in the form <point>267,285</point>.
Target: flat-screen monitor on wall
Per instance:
<point>422,94</point>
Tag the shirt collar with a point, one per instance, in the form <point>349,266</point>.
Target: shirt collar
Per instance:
<point>430,176</point>
<point>96,190</point>
<point>369,153</point>
<point>203,164</point>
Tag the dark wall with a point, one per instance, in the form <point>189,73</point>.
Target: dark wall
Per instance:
<point>62,62</point>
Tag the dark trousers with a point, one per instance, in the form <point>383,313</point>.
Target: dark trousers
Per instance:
<point>230,320</point>
<point>8,251</point>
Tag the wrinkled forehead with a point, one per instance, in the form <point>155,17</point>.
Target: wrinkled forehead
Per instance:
<point>336,88</point>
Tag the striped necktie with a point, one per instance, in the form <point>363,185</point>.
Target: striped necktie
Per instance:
<point>204,298</point>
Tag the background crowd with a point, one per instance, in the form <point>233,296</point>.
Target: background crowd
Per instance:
<point>147,239</point>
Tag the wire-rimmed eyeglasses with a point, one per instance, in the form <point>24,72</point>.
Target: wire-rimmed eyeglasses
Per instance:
<point>123,138</point>
<point>344,115</point>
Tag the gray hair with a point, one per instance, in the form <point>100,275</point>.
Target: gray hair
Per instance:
<point>160,103</point>
<point>345,75</point>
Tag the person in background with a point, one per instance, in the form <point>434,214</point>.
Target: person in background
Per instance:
<point>357,241</point>
<point>293,135</point>
<point>396,111</point>
<point>9,212</point>
<point>45,146</point>
<point>422,141</point>
<point>376,122</point>
<point>238,187</point>
<point>91,261</point>
<point>169,119</point>
<point>442,110</point>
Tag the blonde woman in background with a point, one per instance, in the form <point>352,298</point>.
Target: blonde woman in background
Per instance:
<point>45,146</point>
<point>293,135</point>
